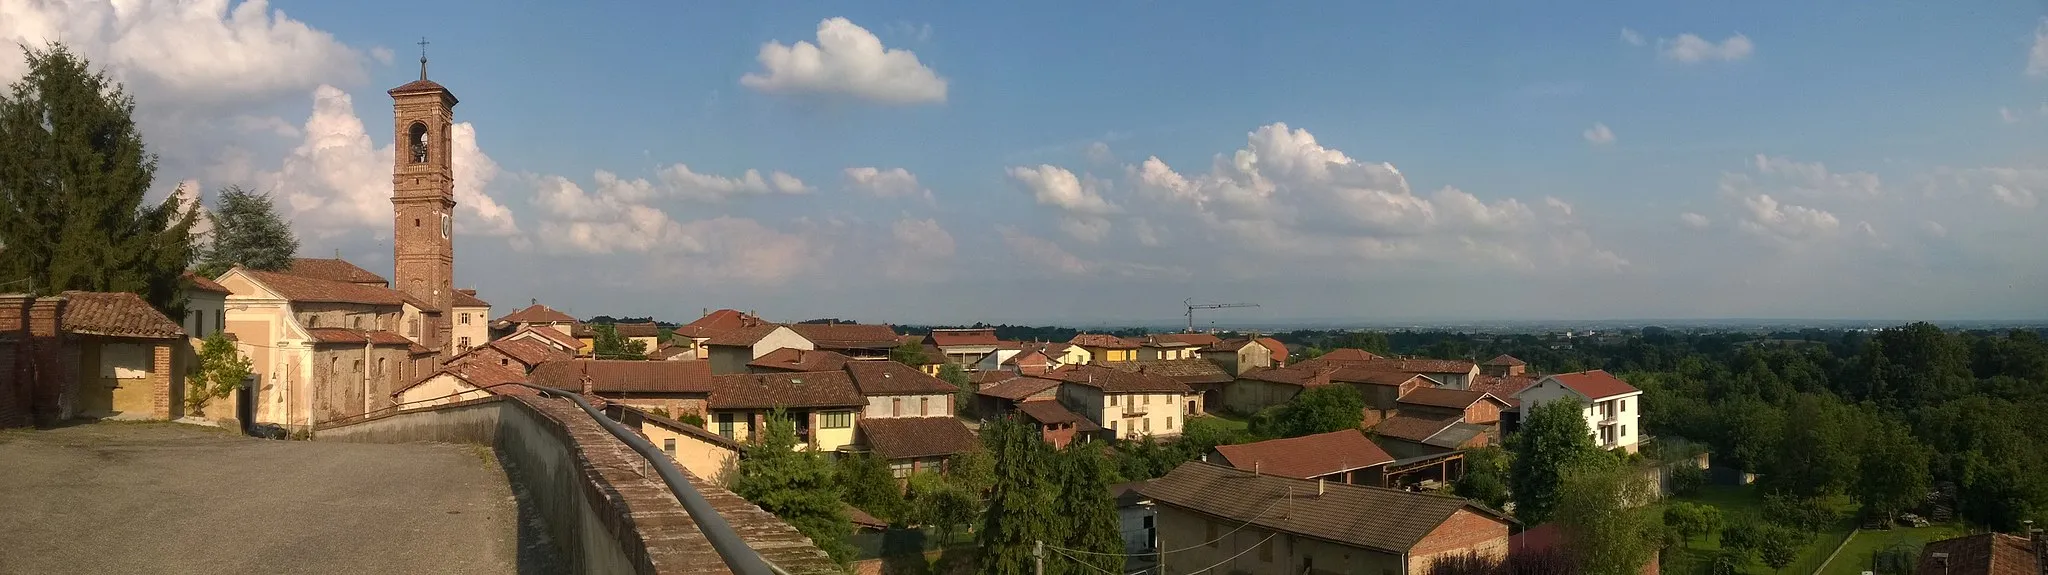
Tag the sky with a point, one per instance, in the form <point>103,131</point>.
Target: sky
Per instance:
<point>926,162</point>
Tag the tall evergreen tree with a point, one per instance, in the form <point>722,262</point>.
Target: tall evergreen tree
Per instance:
<point>1552,439</point>
<point>246,232</point>
<point>1020,504</point>
<point>797,486</point>
<point>1089,512</point>
<point>73,176</point>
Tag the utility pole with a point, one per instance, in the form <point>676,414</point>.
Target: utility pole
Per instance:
<point>1189,302</point>
<point>1038,558</point>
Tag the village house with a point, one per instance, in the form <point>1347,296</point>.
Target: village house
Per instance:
<point>1244,522</point>
<point>536,315</point>
<point>1054,423</point>
<point>793,359</point>
<point>1342,456</point>
<point>1449,373</point>
<point>321,349</point>
<point>1127,405</point>
<point>703,453</point>
<point>1135,514</point>
<point>853,340</point>
<point>1237,356</point>
<point>822,404</point>
<point>1171,346</point>
<point>1105,348</point>
<point>647,334</point>
<point>1276,350</point>
<point>964,347</point>
<point>1200,375</point>
<point>206,314</point>
<point>547,336</point>
<point>1471,406</point>
<point>472,321</point>
<point>908,421</point>
<point>1503,365</point>
<point>674,388</point>
<point>1261,388</point>
<point>730,352</point>
<point>519,355</point>
<point>693,335</point>
<point>1986,554</point>
<point>1407,436</point>
<point>463,381</point>
<point>87,354</point>
<point>1605,400</point>
<point>998,392</point>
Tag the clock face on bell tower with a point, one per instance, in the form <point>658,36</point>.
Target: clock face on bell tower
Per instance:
<point>423,201</point>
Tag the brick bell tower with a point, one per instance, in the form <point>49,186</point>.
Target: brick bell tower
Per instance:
<point>423,201</point>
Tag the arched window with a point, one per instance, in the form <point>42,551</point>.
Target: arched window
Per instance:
<point>417,137</point>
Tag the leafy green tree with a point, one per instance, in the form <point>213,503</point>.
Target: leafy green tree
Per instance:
<point>910,353</point>
<point>1486,477</point>
<point>247,232</point>
<point>963,394</point>
<point>1373,341</point>
<point>1597,511</point>
<point>798,486</point>
<point>1892,474</point>
<point>1685,520</point>
<point>941,504</point>
<point>1315,410</point>
<point>221,370</point>
<point>1021,503</point>
<point>1815,457</point>
<point>865,482</point>
<point>975,470</point>
<point>1091,524</point>
<point>1553,438</point>
<point>1749,432</point>
<point>1687,480</point>
<point>610,345</point>
<point>73,178</point>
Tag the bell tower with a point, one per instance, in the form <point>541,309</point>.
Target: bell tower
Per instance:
<point>423,201</point>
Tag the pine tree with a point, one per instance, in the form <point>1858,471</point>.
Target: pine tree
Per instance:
<point>1020,505</point>
<point>246,232</point>
<point>1091,527</point>
<point>797,486</point>
<point>73,176</point>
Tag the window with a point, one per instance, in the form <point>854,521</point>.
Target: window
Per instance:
<point>355,321</point>
<point>836,420</point>
<point>1624,431</point>
<point>895,407</point>
<point>900,469</point>
<point>447,226</point>
<point>669,445</point>
<point>198,321</point>
<point>464,342</point>
<point>725,425</point>
<point>1112,428</point>
<point>1148,424</point>
<point>220,319</point>
<point>1624,406</point>
<point>380,367</point>
<point>1112,400</point>
<point>1148,399</point>
<point>358,366</point>
<point>464,319</point>
<point>503,361</point>
<point>924,406</point>
<point>1169,422</point>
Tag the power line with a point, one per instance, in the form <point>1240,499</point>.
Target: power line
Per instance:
<point>1239,554</point>
<point>1078,560</point>
<point>1240,527</point>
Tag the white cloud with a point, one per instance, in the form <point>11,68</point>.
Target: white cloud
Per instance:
<point>1934,228</point>
<point>681,181</point>
<point>1690,48</point>
<point>1631,37</point>
<point>1766,216</point>
<point>1694,221</point>
<point>880,183</point>
<point>616,219</point>
<point>2037,57</point>
<point>475,211</point>
<point>2014,196</point>
<point>2007,115</point>
<point>1562,207</point>
<point>922,250</point>
<point>1100,154</point>
<point>1807,179</point>
<point>382,55</point>
<point>1599,135</point>
<point>847,60</point>
<point>266,124</point>
<point>197,51</point>
<point>1057,187</point>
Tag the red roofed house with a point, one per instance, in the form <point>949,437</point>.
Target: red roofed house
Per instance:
<point>1167,346</point>
<point>1239,355</point>
<point>908,420</point>
<point>731,351</point>
<point>472,322</point>
<point>86,354</point>
<point>794,359</point>
<point>1127,405</point>
<point>463,382</point>
<point>705,454</point>
<point>1986,554</point>
<point>1504,365</point>
<point>1610,404</point>
<point>964,347</point>
<point>1055,424</point>
<point>854,340</point>
<point>676,388</point>
<point>1103,347</point>
<point>517,354</point>
<point>1343,456</point>
<point>1279,350</point>
<point>823,404</point>
<point>711,324</point>
<point>324,349</point>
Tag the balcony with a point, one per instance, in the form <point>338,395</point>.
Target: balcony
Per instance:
<point>1135,410</point>
<point>1607,418</point>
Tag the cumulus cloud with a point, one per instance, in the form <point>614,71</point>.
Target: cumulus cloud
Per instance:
<point>1599,135</point>
<point>199,51</point>
<point>1692,49</point>
<point>1766,216</point>
<point>847,60</point>
<point>922,250</point>
<point>1694,221</point>
<point>889,183</point>
<point>1100,154</point>
<point>1806,179</point>
<point>476,212</point>
<point>2037,57</point>
<point>615,217</point>
<point>681,181</point>
<point>1060,188</point>
<point>1632,37</point>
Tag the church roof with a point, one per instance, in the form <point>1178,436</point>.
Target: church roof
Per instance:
<point>333,269</point>
<point>424,86</point>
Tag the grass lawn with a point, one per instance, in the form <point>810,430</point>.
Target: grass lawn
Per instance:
<point>1224,422</point>
<point>1855,556</point>
<point>1745,505</point>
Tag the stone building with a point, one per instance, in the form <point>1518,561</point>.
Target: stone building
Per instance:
<point>86,354</point>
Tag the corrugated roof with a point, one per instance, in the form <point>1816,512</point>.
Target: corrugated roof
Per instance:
<point>891,378</point>
<point>773,390</point>
<point>1308,456</point>
<point>1387,520</point>
<point>626,375</point>
<point>118,314</point>
<point>907,437</point>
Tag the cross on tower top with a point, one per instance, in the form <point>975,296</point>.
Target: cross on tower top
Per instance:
<point>423,57</point>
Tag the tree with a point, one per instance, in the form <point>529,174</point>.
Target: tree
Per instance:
<point>1020,503</point>
<point>797,486</point>
<point>941,504</point>
<point>975,470</point>
<point>1092,531</point>
<point>963,396</point>
<point>1373,341</point>
<point>221,369</point>
<point>73,176</point>
<point>1596,511</point>
<point>1892,473</point>
<point>864,480</point>
<point>1687,480</point>
<point>1486,477</point>
<point>610,345</point>
<point>1685,520</point>
<point>1815,457</point>
<point>1315,410</point>
<point>246,232</point>
<point>910,353</point>
<point>1553,437</point>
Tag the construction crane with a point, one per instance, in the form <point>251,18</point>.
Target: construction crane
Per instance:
<point>1189,302</point>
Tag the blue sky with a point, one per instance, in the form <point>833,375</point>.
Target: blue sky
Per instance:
<point>1101,162</point>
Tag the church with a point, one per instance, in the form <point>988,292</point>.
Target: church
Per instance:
<point>329,340</point>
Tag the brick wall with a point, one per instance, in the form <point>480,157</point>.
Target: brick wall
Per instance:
<point>38,365</point>
<point>1465,532</point>
<point>162,406</point>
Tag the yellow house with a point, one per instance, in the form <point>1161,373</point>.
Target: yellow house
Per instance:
<point>472,328</point>
<point>702,453</point>
<point>321,349</point>
<point>824,405</point>
<point>648,334</point>
<point>462,382</point>
<point>1101,347</point>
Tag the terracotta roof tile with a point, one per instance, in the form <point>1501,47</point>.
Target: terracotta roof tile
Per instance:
<point>1372,376</point>
<point>644,329</point>
<point>559,339</point>
<point>491,378</point>
<point>420,85</point>
<point>1114,381</point>
<point>848,335</point>
<point>906,437</point>
<point>1502,386</point>
<point>201,283</point>
<point>528,351</point>
<point>1387,520</point>
<point>300,288</point>
<point>1018,388</point>
<point>338,270</point>
<point>891,378</point>
<point>1981,554</point>
<point>1308,456</point>
<point>1416,428</point>
<point>700,433</point>
<point>1187,371</point>
<point>772,390</point>
<point>626,376</point>
<point>964,337</point>
<point>744,336</point>
<point>1594,384</point>
<point>793,359</point>
<point>1194,339</point>
<point>665,352</point>
<point>1051,412</point>
<point>537,313</point>
<point>467,298</point>
<point>1505,359</point>
<point>1349,354</point>
<point>119,314</point>
<point>1447,398</point>
<point>1102,341</point>
<point>1279,349</point>
<point>715,323</point>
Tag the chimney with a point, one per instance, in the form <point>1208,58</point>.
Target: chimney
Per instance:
<point>586,379</point>
<point>707,312</point>
<point>1255,467</point>
<point>1322,486</point>
<point>533,301</point>
<point>799,355</point>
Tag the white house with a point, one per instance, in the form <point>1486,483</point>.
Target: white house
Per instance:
<point>733,350</point>
<point>1610,404</point>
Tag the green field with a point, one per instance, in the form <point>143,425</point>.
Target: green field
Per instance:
<point>1745,505</point>
<point>1855,556</point>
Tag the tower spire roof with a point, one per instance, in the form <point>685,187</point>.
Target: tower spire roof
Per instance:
<point>423,58</point>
